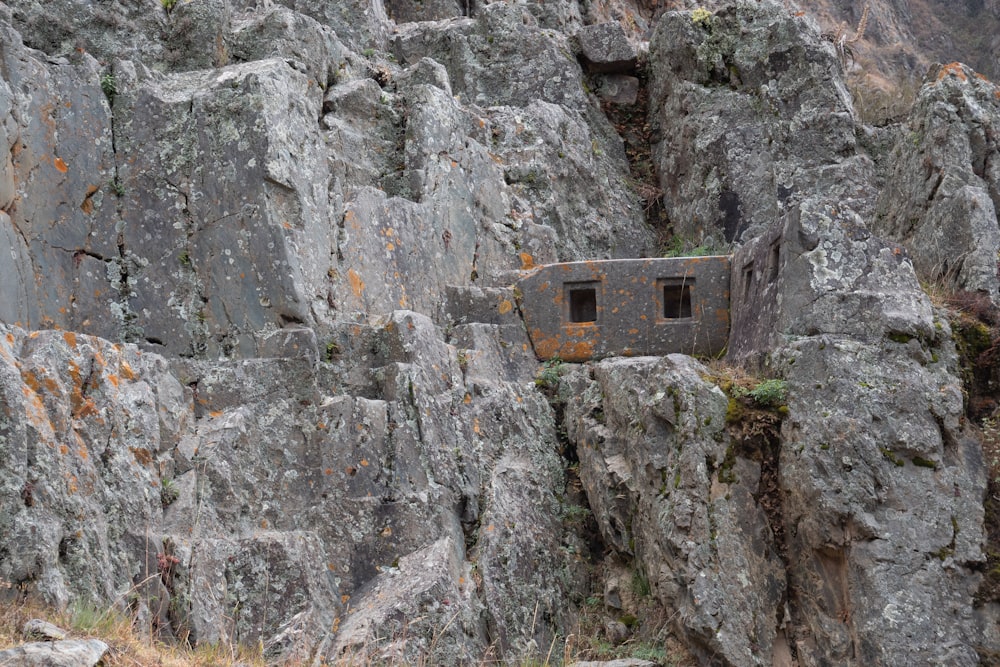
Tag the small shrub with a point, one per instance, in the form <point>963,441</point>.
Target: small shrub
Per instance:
<point>770,393</point>
<point>117,187</point>
<point>548,376</point>
<point>169,493</point>
<point>109,86</point>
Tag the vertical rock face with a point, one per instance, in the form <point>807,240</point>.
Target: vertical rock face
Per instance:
<point>752,116</point>
<point>657,463</point>
<point>941,198</point>
<point>264,378</point>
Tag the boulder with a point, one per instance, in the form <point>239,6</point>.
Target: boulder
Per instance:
<point>605,48</point>
<point>65,653</point>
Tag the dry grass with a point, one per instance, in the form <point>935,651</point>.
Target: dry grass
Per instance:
<point>128,648</point>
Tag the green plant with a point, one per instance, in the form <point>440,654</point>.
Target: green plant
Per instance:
<point>332,350</point>
<point>368,53</point>
<point>575,514</point>
<point>769,393</point>
<point>640,584</point>
<point>463,360</point>
<point>168,5</point>
<point>86,617</point>
<point>109,86</point>
<point>679,246</point>
<point>169,492</point>
<point>551,371</point>
<point>117,187</point>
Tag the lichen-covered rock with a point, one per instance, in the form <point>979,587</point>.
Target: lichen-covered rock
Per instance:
<point>883,503</point>
<point>819,270</point>
<point>667,487</point>
<point>66,653</point>
<point>942,195</point>
<point>84,423</point>
<point>875,422</point>
<point>751,116</point>
<point>58,214</point>
<point>204,265</point>
<point>605,48</point>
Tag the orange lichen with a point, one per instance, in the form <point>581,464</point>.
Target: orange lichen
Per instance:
<point>954,69</point>
<point>505,307</point>
<point>527,261</point>
<point>126,371</point>
<point>357,284</point>
<point>60,165</point>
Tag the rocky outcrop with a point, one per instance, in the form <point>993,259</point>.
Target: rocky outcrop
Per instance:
<point>265,379</point>
<point>941,198</point>
<point>751,115</point>
<point>658,467</point>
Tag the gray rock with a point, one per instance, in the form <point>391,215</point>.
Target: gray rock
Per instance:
<point>618,88</point>
<point>942,194</point>
<point>280,32</point>
<point>751,116</point>
<point>406,11</point>
<point>66,653</point>
<point>221,283</point>
<point>605,48</point>
<point>820,271</point>
<point>36,628</point>
<point>668,489</point>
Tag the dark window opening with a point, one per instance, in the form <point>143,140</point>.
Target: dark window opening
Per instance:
<point>583,304</point>
<point>775,261</point>
<point>677,301</point>
<point>747,280</point>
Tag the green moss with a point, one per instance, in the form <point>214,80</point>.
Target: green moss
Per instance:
<point>726,473</point>
<point>734,411</point>
<point>921,462</point>
<point>628,620</point>
<point>899,337</point>
<point>892,456</point>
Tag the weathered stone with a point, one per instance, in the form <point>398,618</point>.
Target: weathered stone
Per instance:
<point>36,628</point>
<point>66,653</point>
<point>605,48</point>
<point>943,192</point>
<point>668,489</point>
<point>618,88</point>
<point>405,11</point>
<point>280,32</point>
<point>396,620</point>
<point>751,117</point>
<point>227,264</point>
<point>589,310</point>
<point>60,216</point>
<point>820,271</point>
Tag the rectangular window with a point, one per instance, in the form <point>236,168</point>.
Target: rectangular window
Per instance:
<point>775,260</point>
<point>677,297</point>
<point>747,280</point>
<point>582,299</point>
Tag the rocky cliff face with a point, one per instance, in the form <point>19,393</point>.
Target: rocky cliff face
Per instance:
<point>265,379</point>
